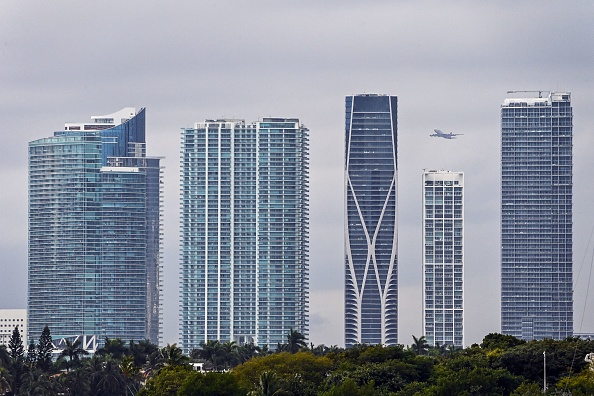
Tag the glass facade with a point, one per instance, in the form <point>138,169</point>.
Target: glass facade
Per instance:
<point>443,257</point>
<point>371,289</point>
<point>536,217</point>
<point>244,231</point>
<point>94,231</point>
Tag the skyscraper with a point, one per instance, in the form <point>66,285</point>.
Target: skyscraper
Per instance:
<point>371,268</point>
<point>244,231</point>
<point>443,257</point>
<point>94,231</point>
<point>536,217</point>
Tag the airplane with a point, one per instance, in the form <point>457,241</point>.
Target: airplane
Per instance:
<point>450,135</point>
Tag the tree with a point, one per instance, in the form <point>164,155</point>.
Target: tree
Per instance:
<point>268,385</point>
<point>166,382</point>
<point>500,341</point>
<point>350,388</point>
<point>108,380</point>
<point>295,341</point>
<point>44,350</point>
<point>76,383</point>
<point>141,351</point>
<point>210,352</point>
<point>4,356</point>
<point>301,370</point>
<point>5,381</point>
<point>72,351</point>
<point>36,382</point>
<point>172,355</point>
<point>228,353</point>
<point>247,351</point>
<point>210,384</point>
<point>114,347</point>
<point>420,345</point>
<point>31,358</point>
<point>131,374</point>
<point>15,344</point>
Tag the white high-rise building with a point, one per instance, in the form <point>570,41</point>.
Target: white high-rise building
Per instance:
<point>9,319</point>
<point>244,235</point>
<point>443,257</point>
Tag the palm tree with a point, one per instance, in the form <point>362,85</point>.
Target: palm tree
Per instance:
<point>76,383</point>
<point>420,346</point>
<point>5,381</point>
<point>247,351</point>
<point>210,352</point>
<point>36,382</point>
<point>295,341</point>
<point>228,354</point>
<point>141,351</point>
<point>109,380</point>
<point>72,350</point>
<point>172,355</point>
<point>268,385</point>
<point>131,375</point>
<point>114,347</point>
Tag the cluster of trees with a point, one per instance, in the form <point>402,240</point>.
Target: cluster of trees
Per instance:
<point>500,365</point>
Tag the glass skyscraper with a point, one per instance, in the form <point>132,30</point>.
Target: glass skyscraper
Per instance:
<point>95,231</point>
<point>371,186</point>
<point>443,257</point>
<point>244,231</point>
<point>536,216</point>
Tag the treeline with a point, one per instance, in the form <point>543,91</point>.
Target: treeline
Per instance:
<point>500,365</point>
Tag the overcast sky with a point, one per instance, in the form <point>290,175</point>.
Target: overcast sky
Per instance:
<point>185,61</point>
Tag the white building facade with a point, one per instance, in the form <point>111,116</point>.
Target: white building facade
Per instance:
<point>9,319</point>
<point>443,257</point>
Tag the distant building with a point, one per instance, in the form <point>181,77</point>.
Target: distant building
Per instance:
<point>244,231</point>
<point>443,257</point>
<point>9,319</point>
<point>371,243</point>
<point>95,231</point>
<point>536,216</point>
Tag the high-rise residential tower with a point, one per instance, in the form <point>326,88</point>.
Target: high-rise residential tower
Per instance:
<point>536,216</point>
<point>371,185</point>
<point>244,231</point>
<point>443,257</point>
<point>95,231</point>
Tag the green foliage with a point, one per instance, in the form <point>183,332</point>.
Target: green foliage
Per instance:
<point>350,388</point>
<point>302,371</point>
<point>483,381</point>
<point>31,358</point>
<point>15,344</point>
<point>172,355</point>
<point>269,385</point>
<point>500,341</point>
<point>166,382</point>
<point>419,345</point>
<point>562,356</point>
<point>210,384</point>
<point>527,389</point>
<point>580,384</point>
<point>44,350</point>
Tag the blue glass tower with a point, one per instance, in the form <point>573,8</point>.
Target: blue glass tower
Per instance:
<point>371,289</point>
<point>443,257</point>
<point>94,231</point>
<point>536,217</point>
<point>244,232</point>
